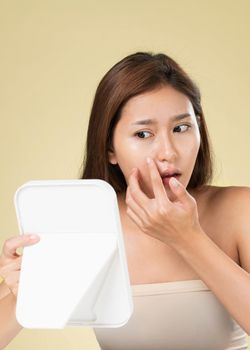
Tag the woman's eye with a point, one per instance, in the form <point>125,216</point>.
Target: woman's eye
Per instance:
<point>141,134</point>
<point>182,128</point>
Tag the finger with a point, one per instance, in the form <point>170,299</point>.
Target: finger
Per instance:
<point>135,189</point>
<point>15,290</point>
<point>134,217</point>
<point>12,279</point>
<point>10,267</point>
<point>133,205</point>
<point>156,180</point>
<point>180,191</point>
<point>12,244</point>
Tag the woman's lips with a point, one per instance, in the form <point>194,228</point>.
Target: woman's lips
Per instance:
<point>166,179</point>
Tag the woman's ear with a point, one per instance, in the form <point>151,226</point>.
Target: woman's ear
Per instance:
<point>112,156</point>
<point>198,118</point>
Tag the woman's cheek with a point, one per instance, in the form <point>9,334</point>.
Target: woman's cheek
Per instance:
<point>144,179</point>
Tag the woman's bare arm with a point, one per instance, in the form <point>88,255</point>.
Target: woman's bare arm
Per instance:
<point>9,327</point>
<point>229,282</point>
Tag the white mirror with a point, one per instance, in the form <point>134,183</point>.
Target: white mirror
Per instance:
<point>77,274</point>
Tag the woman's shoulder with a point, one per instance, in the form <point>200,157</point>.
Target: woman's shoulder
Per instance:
<point>227,202</point>
<point>233,210</point>
<point>229,196</point>
<point>224,214</point>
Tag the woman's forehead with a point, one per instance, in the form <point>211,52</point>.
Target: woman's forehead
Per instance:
<point>154,106</point>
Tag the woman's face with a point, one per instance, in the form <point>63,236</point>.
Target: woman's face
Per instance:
<point>159,124</point>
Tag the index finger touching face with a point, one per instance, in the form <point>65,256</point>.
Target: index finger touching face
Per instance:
<point>156,181</point>
<point>139,196</point>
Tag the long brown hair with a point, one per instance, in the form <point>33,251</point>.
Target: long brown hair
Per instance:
<point>133,75</point>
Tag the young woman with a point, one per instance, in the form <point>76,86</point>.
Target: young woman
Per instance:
<point>187,242</point>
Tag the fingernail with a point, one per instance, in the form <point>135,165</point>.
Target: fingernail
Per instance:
<point>33,237</point>
<point>174,182</point>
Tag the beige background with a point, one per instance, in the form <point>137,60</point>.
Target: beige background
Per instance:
<point>53,54</point>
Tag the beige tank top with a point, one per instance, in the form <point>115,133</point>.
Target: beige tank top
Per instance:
<point>182,315</point>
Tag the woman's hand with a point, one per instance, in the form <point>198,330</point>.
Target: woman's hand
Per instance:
<point>10,260</point>
<point>169,221</point>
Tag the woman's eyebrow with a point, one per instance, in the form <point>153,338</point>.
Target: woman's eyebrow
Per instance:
<point>153,121</point>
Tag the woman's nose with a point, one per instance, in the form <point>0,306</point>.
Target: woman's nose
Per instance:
<point>166,150</point>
